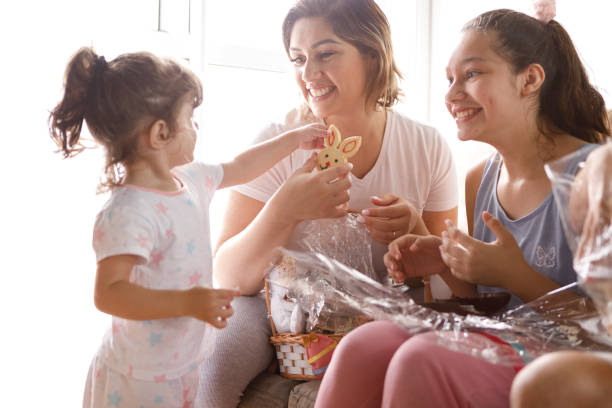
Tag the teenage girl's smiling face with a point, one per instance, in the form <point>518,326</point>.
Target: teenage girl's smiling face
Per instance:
<point>184,139</point>
<point>483,94</point>
<point>329,71</point>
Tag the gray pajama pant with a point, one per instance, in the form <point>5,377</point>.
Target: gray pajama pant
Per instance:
<point>242,352</point>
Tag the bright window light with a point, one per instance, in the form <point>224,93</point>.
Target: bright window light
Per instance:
<point>51,328</point>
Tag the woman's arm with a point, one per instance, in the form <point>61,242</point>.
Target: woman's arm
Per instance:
<point>251,231</point>
<point>435,220</point>
<point>249,234</point>
<point>116,295</point>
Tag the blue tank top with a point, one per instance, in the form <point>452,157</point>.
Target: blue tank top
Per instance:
<point>539,234</point>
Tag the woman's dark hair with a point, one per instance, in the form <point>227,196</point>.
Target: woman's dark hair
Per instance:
<point>118,100</point>
<point>568,101</point>
<point>362,24</point>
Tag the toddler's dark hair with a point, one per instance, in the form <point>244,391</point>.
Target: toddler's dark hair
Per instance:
<point>118,100</point>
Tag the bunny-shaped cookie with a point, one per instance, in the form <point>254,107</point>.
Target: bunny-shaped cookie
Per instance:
<point>337,151</point>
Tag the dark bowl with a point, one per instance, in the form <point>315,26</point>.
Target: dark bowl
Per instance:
<point>486,304</point>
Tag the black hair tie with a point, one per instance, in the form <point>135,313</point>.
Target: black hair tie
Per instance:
<point>100,65</point>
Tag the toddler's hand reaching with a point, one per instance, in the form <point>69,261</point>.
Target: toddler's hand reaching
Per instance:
<point>211,305</point>
<point>311,136</point>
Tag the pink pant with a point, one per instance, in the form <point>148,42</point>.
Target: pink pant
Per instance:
<point>380,365</point>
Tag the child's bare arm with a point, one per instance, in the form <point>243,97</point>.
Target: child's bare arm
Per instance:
<point>257,159</point>
<point>116,295</point>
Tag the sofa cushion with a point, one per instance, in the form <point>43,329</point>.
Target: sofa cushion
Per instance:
<point>304,395</point>
<point>268,390</point>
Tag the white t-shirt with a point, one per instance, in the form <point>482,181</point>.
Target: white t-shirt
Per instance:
<point>414,163</point>
<point>170,234</point>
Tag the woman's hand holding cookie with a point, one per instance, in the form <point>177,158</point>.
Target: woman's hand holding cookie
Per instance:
<point>308,195</point>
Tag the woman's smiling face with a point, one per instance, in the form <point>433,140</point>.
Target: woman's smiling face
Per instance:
<point>329,71</point>
<point>483,95</point>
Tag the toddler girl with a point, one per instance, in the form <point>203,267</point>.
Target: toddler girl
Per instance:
<point>152,239</point>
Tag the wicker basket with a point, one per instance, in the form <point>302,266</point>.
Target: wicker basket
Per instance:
<point>291,349</point>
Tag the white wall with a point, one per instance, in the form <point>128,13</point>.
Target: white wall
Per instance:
<point>50,327</point>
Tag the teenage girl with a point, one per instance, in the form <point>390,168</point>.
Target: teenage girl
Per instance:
<point>152,238</point>
<point>516,83</point>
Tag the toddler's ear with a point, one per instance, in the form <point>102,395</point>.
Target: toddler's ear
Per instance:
<point>159,134</point>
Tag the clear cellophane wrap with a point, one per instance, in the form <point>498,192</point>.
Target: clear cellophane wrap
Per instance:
<point>324,287</point>
<point>585,206</point>
<point>330,291</point>
<point>343,239</point>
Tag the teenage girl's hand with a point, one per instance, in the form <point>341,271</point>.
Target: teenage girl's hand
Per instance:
<point>211,305</point>
<point>308,195</point>
<point>310,136</point>
<point>392,218</point>
<point>414,255</point>
<point>482,263</point>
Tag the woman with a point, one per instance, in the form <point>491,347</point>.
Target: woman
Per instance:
<point>403,178</point>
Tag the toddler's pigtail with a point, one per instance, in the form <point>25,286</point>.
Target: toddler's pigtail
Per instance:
<point>66,119</point>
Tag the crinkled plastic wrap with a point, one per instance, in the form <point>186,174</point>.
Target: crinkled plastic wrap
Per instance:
<point>322,286</point>
<point>336,297</point>
<point>585,204</point>
<point>343,239</point>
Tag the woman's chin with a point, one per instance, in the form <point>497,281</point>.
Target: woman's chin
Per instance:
<point>318,111</point>
<point>322,109</point>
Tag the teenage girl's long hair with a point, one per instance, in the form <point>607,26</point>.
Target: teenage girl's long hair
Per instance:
<point>568,102</point>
